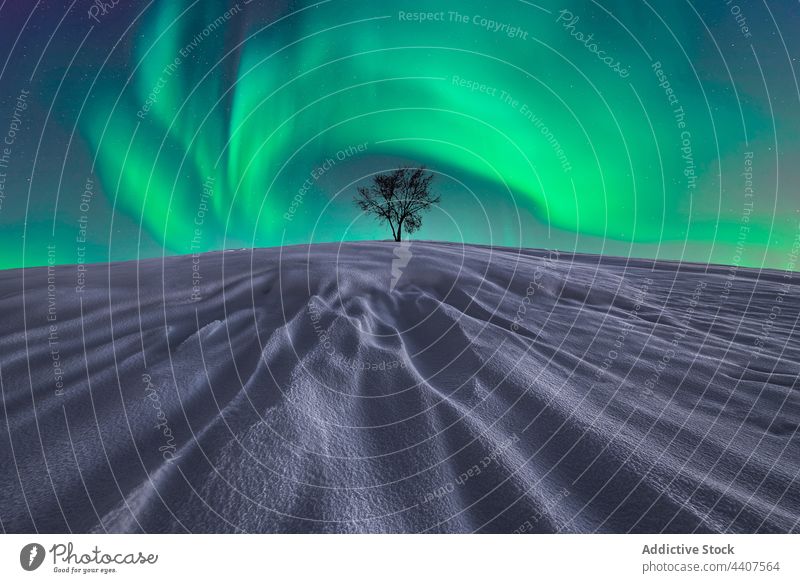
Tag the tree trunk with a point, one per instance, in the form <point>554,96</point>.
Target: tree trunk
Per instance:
<point>398,235</point>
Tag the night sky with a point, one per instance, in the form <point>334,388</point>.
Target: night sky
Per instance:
<point>665,129</point>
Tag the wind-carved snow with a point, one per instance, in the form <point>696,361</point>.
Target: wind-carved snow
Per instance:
<point>370,387</point>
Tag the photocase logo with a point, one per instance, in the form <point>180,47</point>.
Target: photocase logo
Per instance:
<point>402,255</point>
<point>31,556</point>
<point>101,8</point>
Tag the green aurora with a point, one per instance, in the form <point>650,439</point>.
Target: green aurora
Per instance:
<point>663,130</point>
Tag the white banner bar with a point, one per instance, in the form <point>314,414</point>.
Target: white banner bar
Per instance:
<point>401,558</point>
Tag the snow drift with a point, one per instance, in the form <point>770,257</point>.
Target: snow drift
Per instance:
<point>414,387</point>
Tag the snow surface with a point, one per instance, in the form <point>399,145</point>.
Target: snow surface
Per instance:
<point>369,387</point>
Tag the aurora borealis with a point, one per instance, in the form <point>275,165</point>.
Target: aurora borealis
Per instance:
<point>648,129</point>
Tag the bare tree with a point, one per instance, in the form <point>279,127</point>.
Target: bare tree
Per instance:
<point>398,198</point>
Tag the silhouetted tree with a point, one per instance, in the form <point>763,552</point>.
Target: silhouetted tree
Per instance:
<point>398,198</point>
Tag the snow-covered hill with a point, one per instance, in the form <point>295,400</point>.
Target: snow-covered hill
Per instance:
<point>373,387</point>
